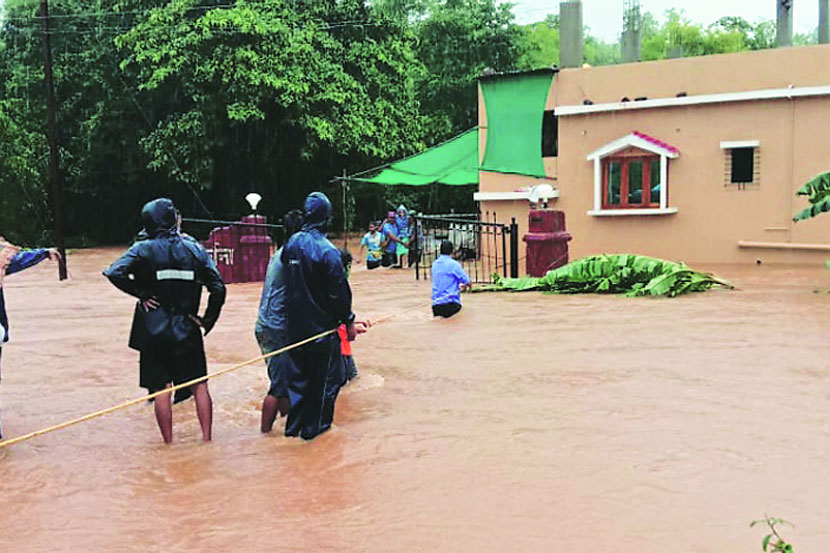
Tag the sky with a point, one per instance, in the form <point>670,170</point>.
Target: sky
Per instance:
<point>604,17</point>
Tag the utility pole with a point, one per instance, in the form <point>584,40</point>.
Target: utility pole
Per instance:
<point>345,213</point>
<point>632,23</point>
<point>51,137</point>
<point>784,24</point>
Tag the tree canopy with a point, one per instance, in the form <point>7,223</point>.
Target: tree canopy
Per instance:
<point>207,101</point>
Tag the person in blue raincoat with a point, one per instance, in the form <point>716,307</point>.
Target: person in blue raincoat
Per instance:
<point>166,272</point>
<point>13,261</point>
<point>318,298</point>
<point>403,234</point>
<point>271,330</point>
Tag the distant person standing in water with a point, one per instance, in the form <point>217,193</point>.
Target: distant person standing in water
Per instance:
<point>389,232</point>
<point>166,272</point>
<point>371,241</point>
<point>402,232</point>
<point>448,279</point>
<point>318,299</point>
<point>271,329</point>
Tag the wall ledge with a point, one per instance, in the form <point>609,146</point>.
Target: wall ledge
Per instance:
<point>783,246</point>
<point>520,195</point>
<point>632,212</point>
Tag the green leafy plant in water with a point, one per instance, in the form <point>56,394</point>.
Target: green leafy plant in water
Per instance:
<point>632,275</point>
<point>779,545</point>
<point>817,191</point>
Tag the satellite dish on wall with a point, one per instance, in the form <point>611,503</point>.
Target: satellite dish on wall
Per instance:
<point>253,200</point>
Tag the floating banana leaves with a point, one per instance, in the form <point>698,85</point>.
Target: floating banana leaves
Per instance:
<point>632,275</point>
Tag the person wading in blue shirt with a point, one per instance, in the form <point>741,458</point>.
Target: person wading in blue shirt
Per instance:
<point>448,278</point>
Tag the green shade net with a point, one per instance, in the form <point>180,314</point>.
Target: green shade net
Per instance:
<point>515,108</point>
<point>453,163</point>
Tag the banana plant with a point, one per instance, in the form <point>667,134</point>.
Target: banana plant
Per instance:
<point>817,191</point>
<point>632,275</point>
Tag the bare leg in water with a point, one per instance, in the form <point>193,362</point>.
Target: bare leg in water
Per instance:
<point>164,416</point>
<point>271,406</point>
<point>204,409</point>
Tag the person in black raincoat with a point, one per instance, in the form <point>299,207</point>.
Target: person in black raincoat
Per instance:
<point>318,298</point>
<point>166,273</point>
<point>181,394</point>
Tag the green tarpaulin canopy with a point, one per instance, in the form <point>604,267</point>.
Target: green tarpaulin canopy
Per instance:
<point>454,163</point>
<point>515,107</point>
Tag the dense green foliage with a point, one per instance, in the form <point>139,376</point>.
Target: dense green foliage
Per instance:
<point>632,275</point>
<point>207,101</point>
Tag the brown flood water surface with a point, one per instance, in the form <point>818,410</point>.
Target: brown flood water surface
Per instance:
<point>528,422</point>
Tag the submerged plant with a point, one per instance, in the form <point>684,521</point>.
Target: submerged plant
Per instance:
<point>632,275</point>
<point>780,545</point>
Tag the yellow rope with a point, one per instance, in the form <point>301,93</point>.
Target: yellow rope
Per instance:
<point>96,414</point>
<point>30,435</point>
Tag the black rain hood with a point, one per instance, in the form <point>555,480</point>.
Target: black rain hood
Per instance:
<point>158,216</point>
<point>317,212</point>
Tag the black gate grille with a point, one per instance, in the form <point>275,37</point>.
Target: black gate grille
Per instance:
<point>480,246</point>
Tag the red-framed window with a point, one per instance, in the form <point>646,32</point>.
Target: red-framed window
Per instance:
<point>631,180</point>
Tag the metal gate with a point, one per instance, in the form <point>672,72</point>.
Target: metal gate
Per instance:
<point>483,248</point>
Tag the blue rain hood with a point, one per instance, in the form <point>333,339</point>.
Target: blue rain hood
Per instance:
<point>316,212</point>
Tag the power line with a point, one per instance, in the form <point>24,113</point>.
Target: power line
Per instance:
<point>145,11</point>
<point>322,25</point>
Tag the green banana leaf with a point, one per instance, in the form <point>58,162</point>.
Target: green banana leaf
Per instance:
<point>817,191</point>
<point>632,275</point>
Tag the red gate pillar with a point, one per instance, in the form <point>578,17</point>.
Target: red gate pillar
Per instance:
<point>547,241</point>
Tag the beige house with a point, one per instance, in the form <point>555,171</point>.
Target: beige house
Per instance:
<point>694,159</point>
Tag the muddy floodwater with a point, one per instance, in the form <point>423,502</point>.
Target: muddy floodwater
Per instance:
<point>528,422</point>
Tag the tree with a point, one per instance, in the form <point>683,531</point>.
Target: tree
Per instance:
<point>755,37</point>
<point>23,197</point>
<point>98,124</point>
<point>679,37</point>
<point>599,52</point>
<point>457,41</point>
<point>542,45</point>
<point>274,97</point>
